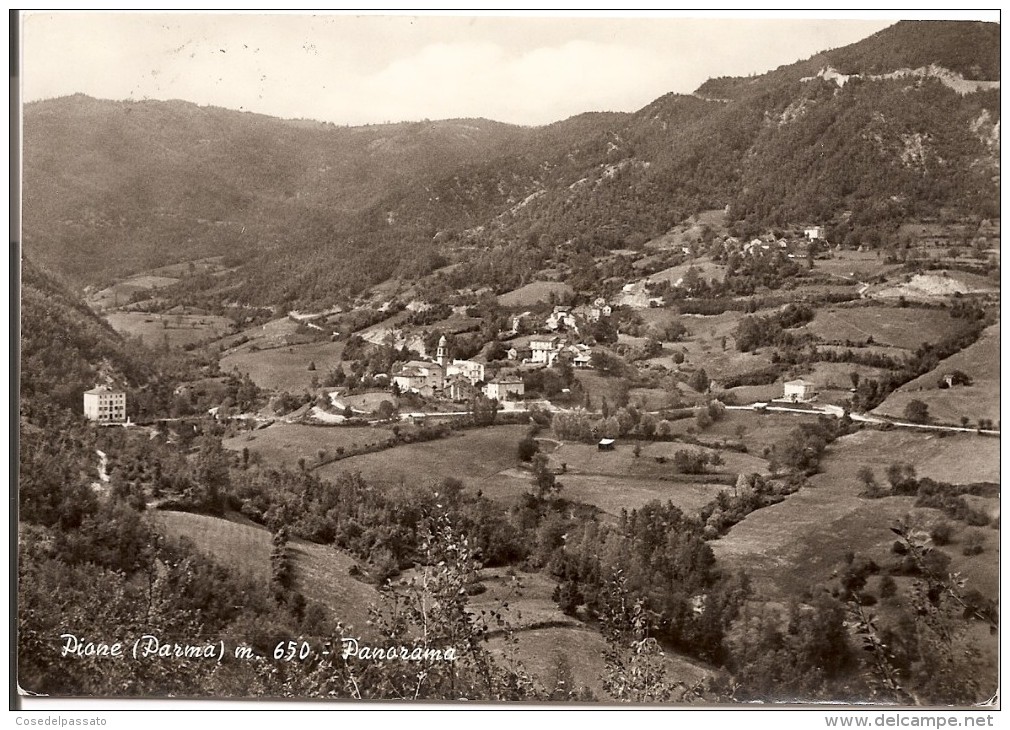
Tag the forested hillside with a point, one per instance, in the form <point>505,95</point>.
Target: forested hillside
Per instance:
<point>312,214</point>
<point>66,348</point>
<point>113,187</point>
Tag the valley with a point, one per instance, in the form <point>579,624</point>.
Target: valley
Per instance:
<point>680,394</point>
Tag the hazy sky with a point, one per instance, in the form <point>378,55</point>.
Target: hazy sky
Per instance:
<point>365,69</point>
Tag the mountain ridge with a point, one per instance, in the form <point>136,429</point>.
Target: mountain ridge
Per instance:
<point>156,182</point>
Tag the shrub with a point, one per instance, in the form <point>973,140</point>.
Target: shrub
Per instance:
<point>974,543</point>
<point>941,533</point>
<point>690,462</point>
<point>527,448</point>
<point>703,419</point>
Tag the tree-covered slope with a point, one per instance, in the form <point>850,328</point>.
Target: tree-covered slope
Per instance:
<point>311,213</point>
<point>115,187</point>
<point>66,348</point>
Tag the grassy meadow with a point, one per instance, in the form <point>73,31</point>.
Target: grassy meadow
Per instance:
<point>178,330</point>
<point>286,443</point>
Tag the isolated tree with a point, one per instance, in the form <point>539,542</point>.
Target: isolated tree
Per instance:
<point>941,533</point>
<point>483,410</point>
<point>916,411</point>
<point>545,484</point>
<point>280,564</point>
<point>699,380</point>
<point>974,543</point>
<point>526,449</point>
<point>887,587</point>
<point>607,363</point>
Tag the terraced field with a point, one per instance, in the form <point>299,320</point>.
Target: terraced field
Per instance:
<point>797,543</point>
<point>177,330</point>
<point>285,368</point>
<point>980,361</point>
<point>472,456</point>
<point>900,327</point>
<point>286,443</point>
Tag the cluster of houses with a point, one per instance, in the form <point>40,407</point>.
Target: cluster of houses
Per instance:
<point>548,350</point>
<point>455,380</point>
<point>564,318</point>
<point>791,247</point>
<point>459,380</point>
<point>559,333</point>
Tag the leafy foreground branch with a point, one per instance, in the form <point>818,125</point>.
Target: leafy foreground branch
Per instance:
<point>927,659</point>
<point>635,663</point>
<point>430,614</point>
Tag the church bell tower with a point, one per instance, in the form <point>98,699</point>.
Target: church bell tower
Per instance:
<point>442,354</point>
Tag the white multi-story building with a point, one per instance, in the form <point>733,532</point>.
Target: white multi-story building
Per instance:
<point>799,391</point>
<point>545,351</point>
<point>105,405</point>
<point>472,371</point>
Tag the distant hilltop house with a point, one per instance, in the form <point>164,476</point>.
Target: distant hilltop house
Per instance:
<point>600,309</point>
<point>504,387</point>
<point>799,391</point>
<point>105,405</point>
<point>814,233</point>
<point>755,246</point>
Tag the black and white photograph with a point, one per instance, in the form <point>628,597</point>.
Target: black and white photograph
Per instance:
<point>528,359</point>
